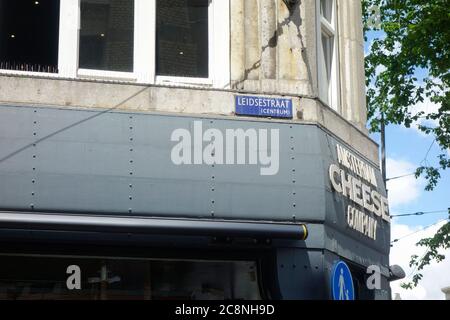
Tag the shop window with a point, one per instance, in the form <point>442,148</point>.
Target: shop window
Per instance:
<point>107,35</point>
<point>328,53</point>
<point>127,279</point>
<point>182,40</point>
<point>29,34</point>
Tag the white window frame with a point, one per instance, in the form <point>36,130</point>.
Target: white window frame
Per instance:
<point>144,69</point>
<point>330,95</point>
<point>141,24</point>
<point>219,50</point>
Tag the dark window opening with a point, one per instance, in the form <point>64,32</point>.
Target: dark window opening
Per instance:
<point>359,283</point>
<point>29,35</point>
<point>182,41</point>
<point>107,35</point>
<point>45,278</point>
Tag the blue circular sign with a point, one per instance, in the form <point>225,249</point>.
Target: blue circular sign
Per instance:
<point>342,282</point>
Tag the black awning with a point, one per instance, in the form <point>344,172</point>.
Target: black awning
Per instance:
<point>147,225</point>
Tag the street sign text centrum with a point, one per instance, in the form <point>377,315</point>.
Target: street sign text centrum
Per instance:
<point>264,107</point>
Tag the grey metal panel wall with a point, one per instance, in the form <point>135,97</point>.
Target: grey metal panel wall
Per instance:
<point>94,166</point>
<point>119,163</point>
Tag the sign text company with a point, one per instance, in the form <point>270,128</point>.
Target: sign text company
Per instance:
<point>355,179</point>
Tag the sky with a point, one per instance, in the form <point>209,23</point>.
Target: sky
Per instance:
<point>406,150</point>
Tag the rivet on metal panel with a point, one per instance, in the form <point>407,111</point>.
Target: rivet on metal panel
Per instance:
<point>131,161</point>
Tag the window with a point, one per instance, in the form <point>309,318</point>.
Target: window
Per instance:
<point>29,32</point>
<point>182,42</point>
<point>328,53</point>
<point>127,279</point>
<point>107,35</point>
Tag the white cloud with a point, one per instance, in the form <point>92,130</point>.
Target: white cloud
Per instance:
<point>405,190</point>
<point>435,276</point>
<point>380,69</point>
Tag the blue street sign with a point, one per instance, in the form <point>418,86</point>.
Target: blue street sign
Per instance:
<point>264,107</point>
<point>342,282</point>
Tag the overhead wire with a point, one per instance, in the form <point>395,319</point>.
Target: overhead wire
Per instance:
<point>417,231</point>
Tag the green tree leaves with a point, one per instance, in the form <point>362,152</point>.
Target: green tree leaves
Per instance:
<point>416,40</point>
<point>409,65</point>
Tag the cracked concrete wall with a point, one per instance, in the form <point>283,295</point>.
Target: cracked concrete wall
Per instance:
<point>279,52</point>
<point>352,75</point>
<point>274,50</point>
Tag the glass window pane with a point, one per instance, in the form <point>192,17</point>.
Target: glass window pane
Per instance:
<point>326,60</point>
<point>182,38</point>
<point>107,35</point>
<point>29,35</point>
<point>327,47</point>
<point>126,279</point>
<point>326,9</point>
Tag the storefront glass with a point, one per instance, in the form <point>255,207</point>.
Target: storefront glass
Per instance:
<point>47,278</point>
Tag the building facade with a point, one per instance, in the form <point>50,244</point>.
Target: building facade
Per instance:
<point>151,145</point>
